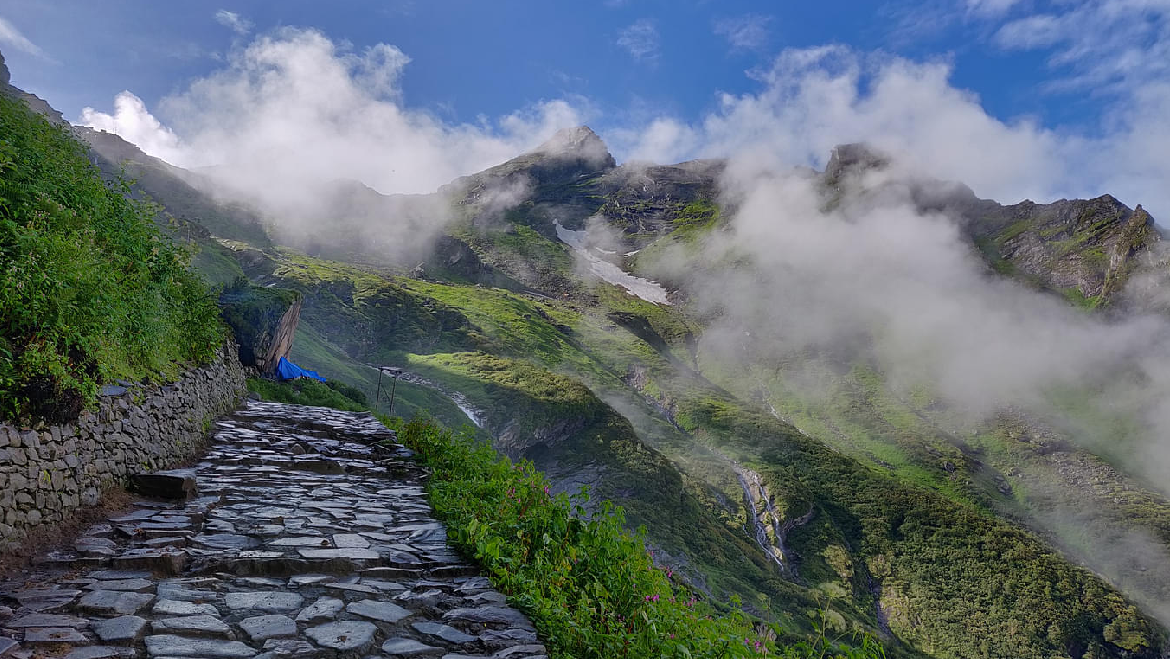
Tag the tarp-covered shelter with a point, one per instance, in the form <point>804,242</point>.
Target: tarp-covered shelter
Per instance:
<point>286,370</point>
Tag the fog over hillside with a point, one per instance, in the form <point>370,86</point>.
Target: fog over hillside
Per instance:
<point>873,278</point>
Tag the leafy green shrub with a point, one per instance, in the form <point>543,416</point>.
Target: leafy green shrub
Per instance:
<point>305,391</point>
<point>89,288</point>
<point>589,586</point>
<point>353,393</point>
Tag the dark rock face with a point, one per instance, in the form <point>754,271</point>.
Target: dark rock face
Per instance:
<point>264,321</point>
<point>1083,245</point>
<point>5,76</point>
<point>854,158</point>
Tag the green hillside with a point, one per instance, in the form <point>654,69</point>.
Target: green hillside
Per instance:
<point>90,288</point>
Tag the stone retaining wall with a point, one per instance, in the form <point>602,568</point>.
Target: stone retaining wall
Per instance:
<point>48,472</point>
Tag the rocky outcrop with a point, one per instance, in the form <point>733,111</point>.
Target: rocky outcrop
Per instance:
<point>47,472</point>
<point>34,102</point>
<point>1083,245</point>
<point>264,321</point>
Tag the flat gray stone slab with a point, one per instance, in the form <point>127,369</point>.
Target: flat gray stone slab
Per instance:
<point>119,574</point>
<point>260,628</point>
<point>302,541</point>
<point>122,628</point>
<point>493,615</point>
<point>6,644</point>
<point>349,552</point>
<point>54,635</point>
<point>308,579</point>
<point>201,625</point>
<point>98,652</point>
<point>449,634</point>
<point>178,608</point>
<point>110,602</point>
<point>225,541</point>
<point>325,608</point>
<point>181,592</point>
<point>343,636</point>
<point>46,620</point>
<point>353,588</point>
<point>264,601</point>
<point>169,645</point>
<point>522,651</point>
<point>290,648</point>
<point>351,540</point>
<point>407,647</point>
<point>136,585</point>
<point>384,611</point>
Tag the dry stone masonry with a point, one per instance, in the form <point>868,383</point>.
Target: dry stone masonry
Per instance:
<point>49,472</point>
<point>310,536</point>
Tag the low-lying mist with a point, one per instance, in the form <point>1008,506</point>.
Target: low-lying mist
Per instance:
<point>874,280</point>
<point>294,121</point>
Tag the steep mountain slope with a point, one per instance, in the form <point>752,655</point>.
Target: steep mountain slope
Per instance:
<point>601,388</point>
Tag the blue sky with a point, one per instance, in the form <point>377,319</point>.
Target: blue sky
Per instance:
<point>471,57</point>
<point>1055,73</point>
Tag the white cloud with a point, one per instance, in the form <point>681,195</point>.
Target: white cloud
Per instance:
<point>813,99</point>
<point>135,124</point>
<point>10,36</point>
<point>1104,46</point>
<point>641,40</point>
<point>991,7</point>
<point>233,21</point>
<point>294,109</point>
<point>747,32</point>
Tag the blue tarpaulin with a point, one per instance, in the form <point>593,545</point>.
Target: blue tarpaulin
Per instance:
<point>286,370</point>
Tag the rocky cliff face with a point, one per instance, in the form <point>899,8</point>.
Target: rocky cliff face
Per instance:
<point>1088,246</point>
<point>264,321</point>
<point>1086,249</point>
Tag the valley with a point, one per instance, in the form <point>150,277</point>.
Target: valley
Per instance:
<point>638,331</point>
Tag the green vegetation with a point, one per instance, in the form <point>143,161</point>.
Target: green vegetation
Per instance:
<point>1078,299</point>
<point>952,581</point>
<point>89,288</point>
<point>1013,230</point>
<point>305,391</point>
<point>590,587</point>
<point>931,554</point>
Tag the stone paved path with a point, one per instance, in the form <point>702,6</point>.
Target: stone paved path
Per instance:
<point>307,539</point>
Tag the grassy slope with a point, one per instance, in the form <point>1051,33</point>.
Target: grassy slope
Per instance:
<point>90,289</point>
<point>936,562</point>
<point>527,399</point>
<point>922,544</point>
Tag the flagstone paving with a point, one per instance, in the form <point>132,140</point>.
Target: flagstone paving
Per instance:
<point>310,536</point>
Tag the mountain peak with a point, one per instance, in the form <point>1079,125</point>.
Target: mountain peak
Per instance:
<point>854,157</point>
<point>579,142</point>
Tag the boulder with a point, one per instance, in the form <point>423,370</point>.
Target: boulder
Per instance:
<point>263,320</point>
<point>173,484</point>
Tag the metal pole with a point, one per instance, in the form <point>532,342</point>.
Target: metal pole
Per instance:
<point>378,396</point>
<point>393,387</point>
